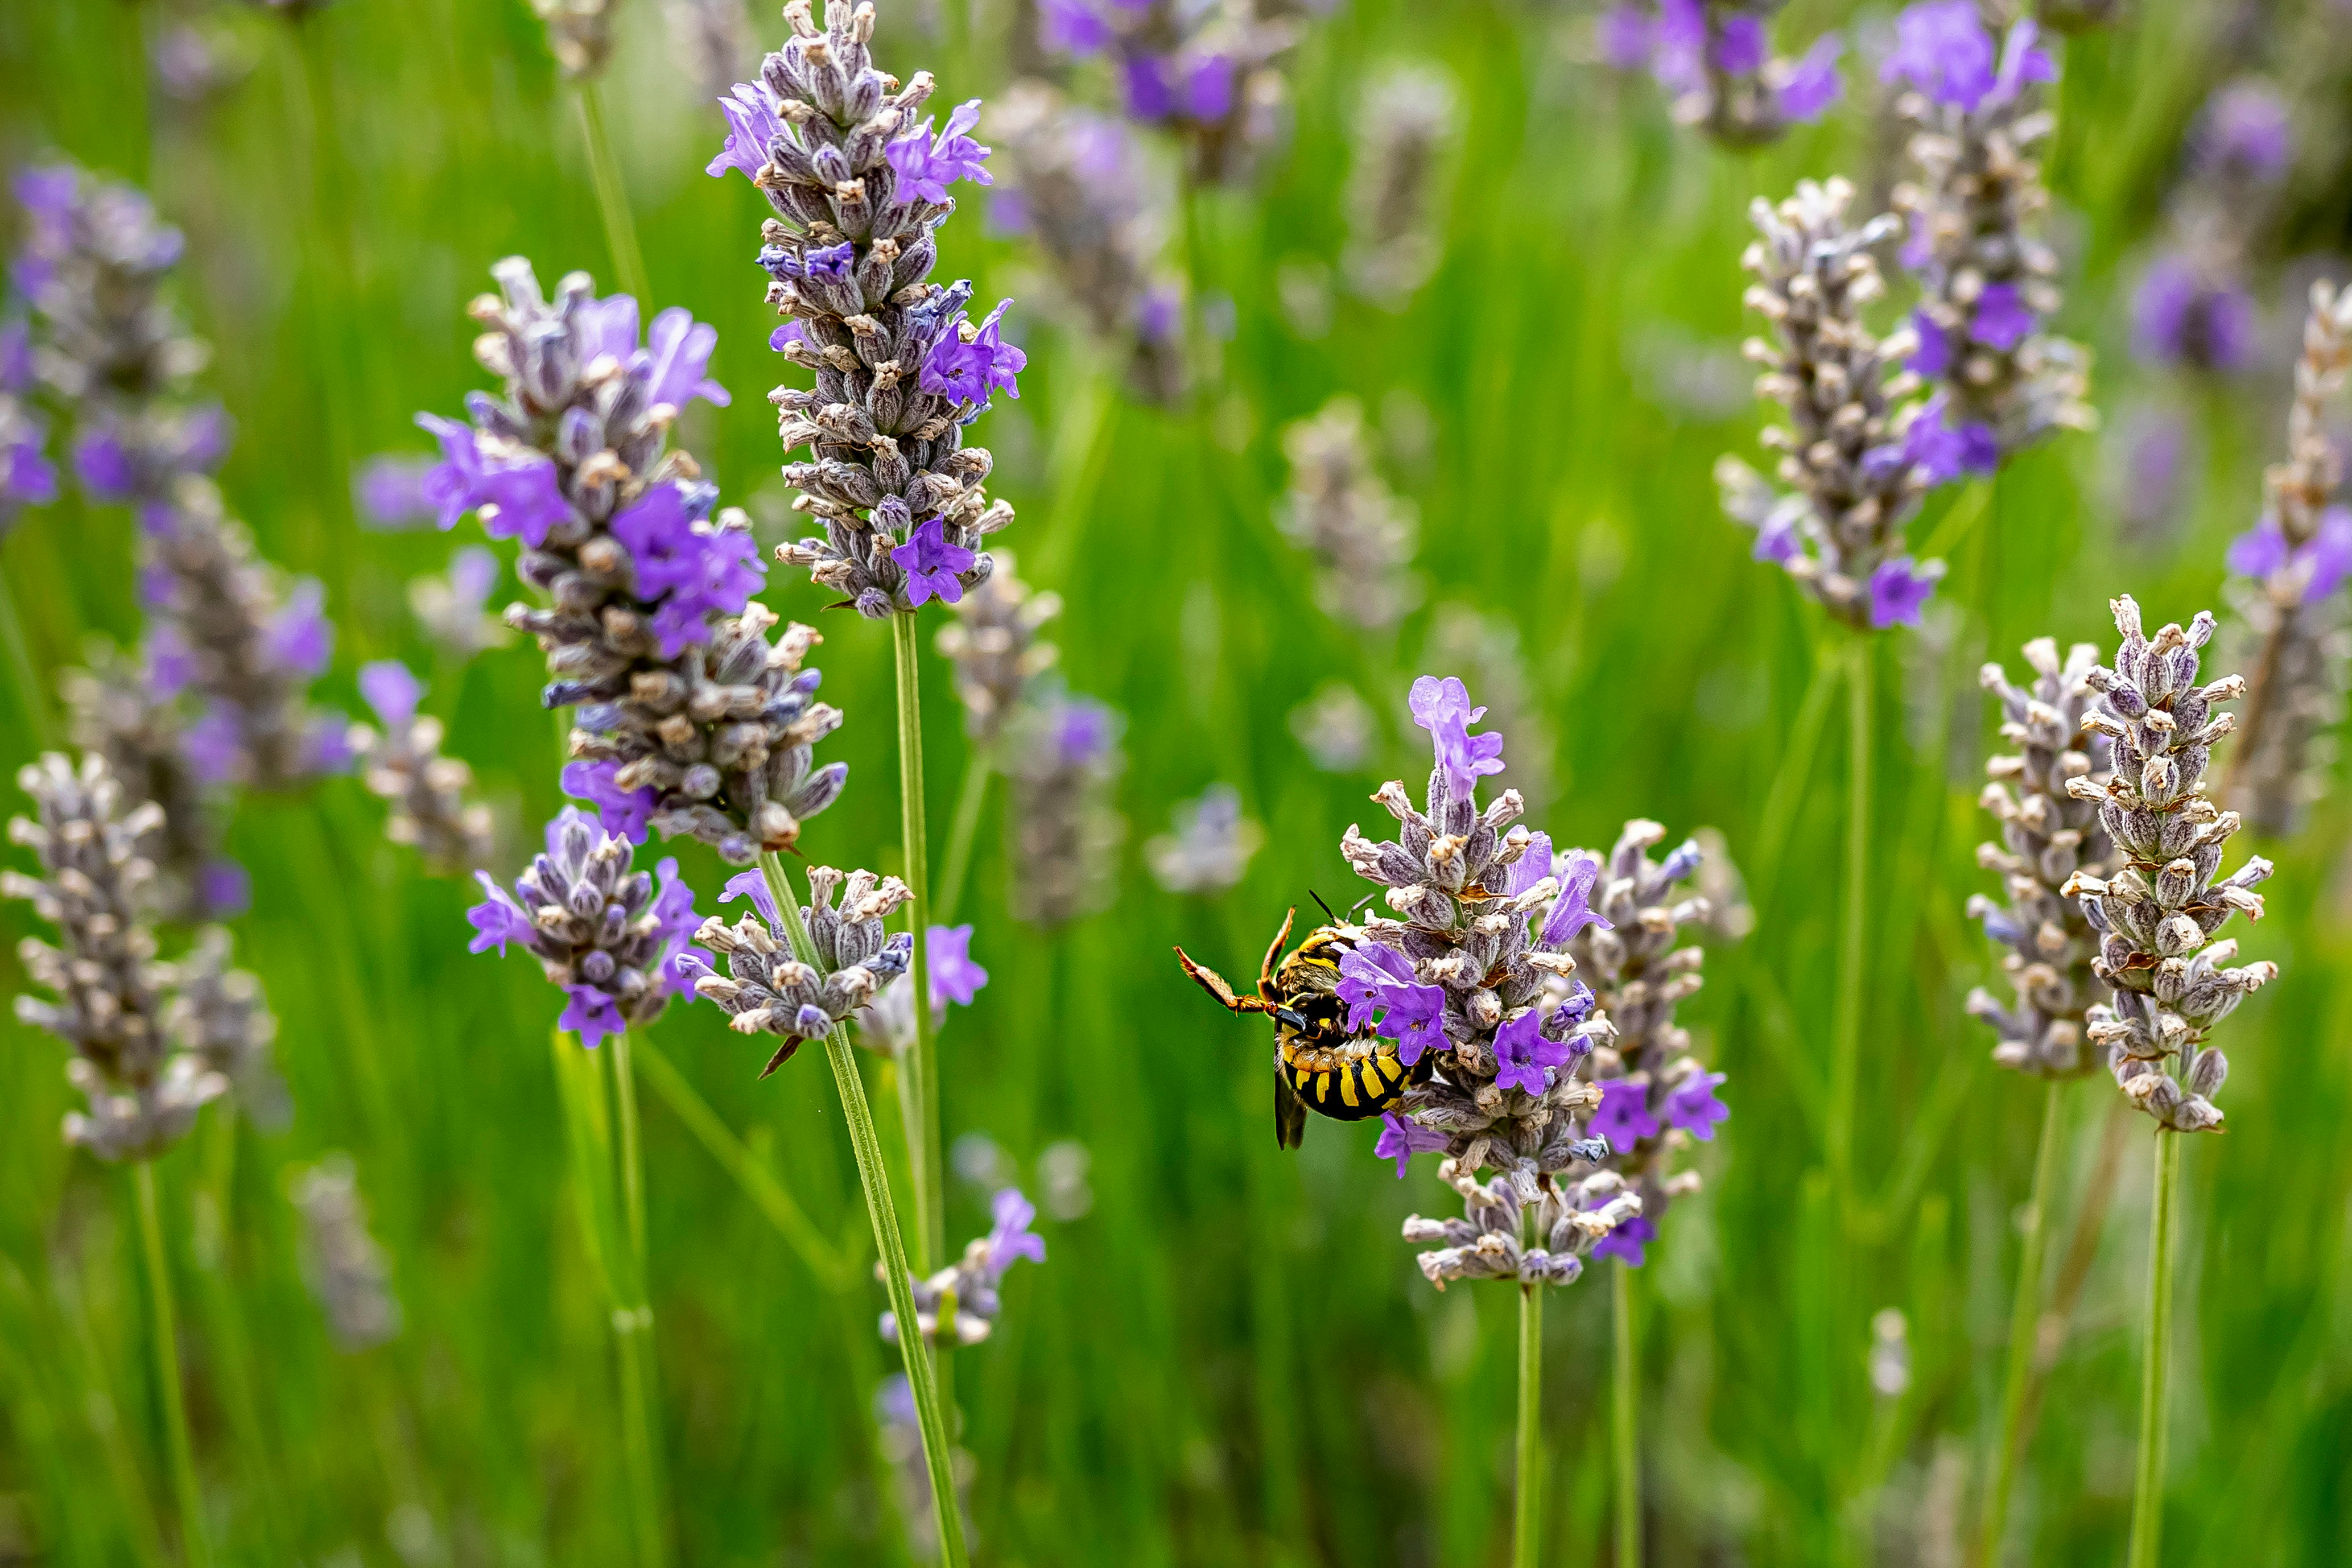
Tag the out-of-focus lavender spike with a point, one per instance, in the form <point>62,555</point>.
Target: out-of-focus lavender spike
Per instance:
<point>218,1014</point>
<point>1975,213</point>
<point>451,608</point>
<point>1061,756</point>
<point>1079,185</point>
<point>2289,626</point>
<point>346,1269</point>
<point>579,34</point>
<point>1337,727</point>
<point>403,765</point>
<point>1406,128</point>
<point>712,41</point>
<point>144,1087</point>
<point>963,1300</point>
<point>1361,533</point>
<point>1210,850</point>
<point>994,647</point>
<point>2047,834</point>
<point>116,711</point>
<point>1209,73</point>
<point>1714,58</point>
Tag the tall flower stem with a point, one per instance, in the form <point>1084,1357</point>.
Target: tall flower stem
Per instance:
<point>1528,1511</point>
<point>2147,1493</point>
<point>2025,1323</point>
<point>961,833</point>
<point>612,196</point>
<point>195,1547</point>
<point>919,1094</point>
<point>1845,1049</point>
<point>633,1175</point>
<point>1623,1413</point>
<point>29,698</point>
<point>615,1255</point>
<point>883,1214</point>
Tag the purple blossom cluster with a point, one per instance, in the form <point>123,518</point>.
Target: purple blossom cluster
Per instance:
<point>612,939</point>
<point>1715,56</point>
<point>887,1022</point>
<point>1206,73</point>
<point>1855,459</point>
<point>1986,275</point>
<point>962,1300</point>
<point>1474,978</point>
<point>688,719</point>
<point>860,187</point>
<point>232,646</point>
<point>1655,1097</point>
<point>767,990</point>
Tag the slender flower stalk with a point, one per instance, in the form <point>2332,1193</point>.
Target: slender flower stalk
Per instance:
<point>2048,834</point>
<point>195,1534</point>
<point>2291,616</point>
<point>614,943</point>
<point>1624,1402</point>
<point>1527,1494</point>
<point>2155,917</point>
<point>822,985</point>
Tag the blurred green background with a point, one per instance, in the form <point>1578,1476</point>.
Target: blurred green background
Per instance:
<point>1229,1355</point>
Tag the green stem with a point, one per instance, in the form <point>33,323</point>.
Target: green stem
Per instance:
<point>2148,1494</point>
<point>633,1175</point>
<point>769,1195</point>
<point>195,1548</point>
<point>30,697</point>
<point>2024,1322</point>
<point>916,1066</point>
<point>1788,787</point>
<point>1845,1047</point>
<point>632,1333</point>
<point>1528,1511</point>
<point>882,1213</point>
<point>969,800</point>
<point>1624,1411</point>
<point>611,197</point>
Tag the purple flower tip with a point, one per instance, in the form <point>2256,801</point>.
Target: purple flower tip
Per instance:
<point>1623,1116</point>
<point>1693,1107</point>
<point>1443,708</point>
<point>954,976</point>
<point>1627,1241</point>
<point>1400,1140</point>
<point>392,690</point>
<point>1899,590</point>
<point>933,567</point>
<point>1010,1239</point>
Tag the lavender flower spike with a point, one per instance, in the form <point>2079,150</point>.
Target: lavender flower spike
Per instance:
<point>1654,1095</point>
<point>1975,213</point>
<point>768,990</point>
<point>2047,834</point>
<point>962,1300</point>
<point>1406,128</point>
<point>144,1087</point>
<point>1715,56</point>
<point>610,936</point>
<point>1480,961</point>
<point>1081,186</point>
<point>2290,620</point>
<point>1854,460</point>
<point>1210,850</point>
<point>1361,535</point>
<point>405,767</point>
<point>579,34</point>
<point>1207,73</point>
<point>1061,761</point>
<point>689,721</point>
<point>994,646</point>
<point>341,1261</point>
<point>2156,915</point>
<point>860,189</point>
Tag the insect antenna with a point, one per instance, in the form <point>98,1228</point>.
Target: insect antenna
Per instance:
<point>1321,904</point>
<point>1363,903</point>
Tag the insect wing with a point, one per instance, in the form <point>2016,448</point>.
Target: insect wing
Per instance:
<point>1289,1112</point>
